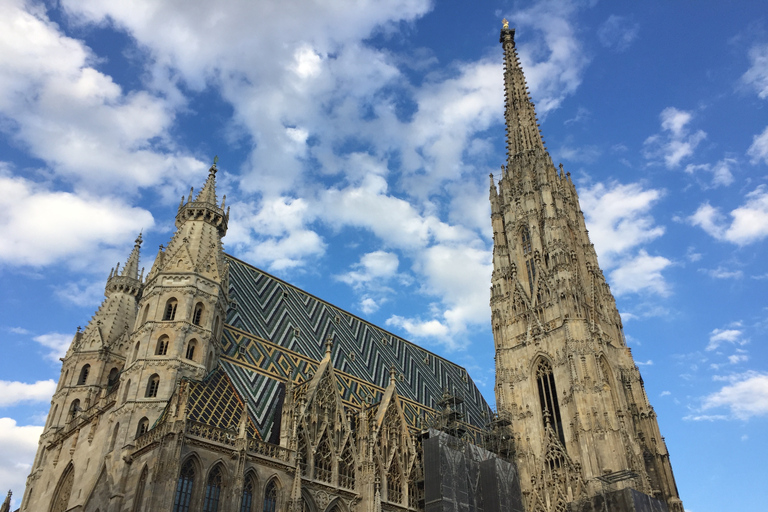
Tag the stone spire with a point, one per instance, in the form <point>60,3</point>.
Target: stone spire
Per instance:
<point>6,506</point>
<point>131,268</point>
<point>564,375</point>
<point>522,127</point>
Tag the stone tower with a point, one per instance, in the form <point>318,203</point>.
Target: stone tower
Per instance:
<point>120,371</point>
<point>565,378</point>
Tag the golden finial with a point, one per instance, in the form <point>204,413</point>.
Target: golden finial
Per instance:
<point>505,24</point>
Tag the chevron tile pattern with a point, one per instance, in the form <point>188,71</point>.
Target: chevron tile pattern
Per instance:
<point>276,332</point>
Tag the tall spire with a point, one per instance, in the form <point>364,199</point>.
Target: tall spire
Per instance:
<point>208,192</point>
<point>131,268</point>
<point>522,127</point>
<point>205,206</point>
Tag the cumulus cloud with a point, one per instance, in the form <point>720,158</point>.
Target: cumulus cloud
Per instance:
<point>719,336</point>
<point>617,33</point>
<point>14,392</point>
<point>641,273</point>
<point>756,76</point>
<point>748,223</point>
<point>18,444</point>
<point>745,397</point>
<point>373,266</point>
<point>41,227</point>
<point>675,142</point>
<point>721,171</point>
<point>56,343</point>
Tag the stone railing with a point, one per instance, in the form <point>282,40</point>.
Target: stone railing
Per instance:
<point>218,435</point>
<point>151,436</point>
<point>268,450</point>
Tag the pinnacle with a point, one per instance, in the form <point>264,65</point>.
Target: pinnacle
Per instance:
<point>131,268</point>
<point>208,192</point>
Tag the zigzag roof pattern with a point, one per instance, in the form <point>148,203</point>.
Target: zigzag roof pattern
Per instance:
<point>276,331</point>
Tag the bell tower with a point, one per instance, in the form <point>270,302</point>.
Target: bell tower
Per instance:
<point>564,376</point>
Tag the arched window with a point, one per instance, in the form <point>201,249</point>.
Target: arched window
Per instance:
<point>197,316</point>
<point>191,350</point>
<point>213,490</point>
<point>113,441</point>
<point>127,389</point>
<point>63,490</point>
<point>530,269</point>
<point>270,497</point>
<point>162,346</point>
<point>113,378</point>
<point>84,375</point>
<point>347,467</point>
<point>143,427</point>
<point>136,350</point>
<point>170,309</point>
<point>63,381</point>
<point>550,410</point>
<point>145,314</point>
<point>323,460</point>
<point>249,488</point>
<point>140,490</point>
<point>184,487</point>
<point>152,385</point>
<point>394,482</point>
<point>74,408</point>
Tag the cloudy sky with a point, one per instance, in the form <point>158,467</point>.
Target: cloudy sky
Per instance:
<point>355,141</point>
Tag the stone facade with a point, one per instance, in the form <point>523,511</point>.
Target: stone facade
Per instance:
<point>565,378</point>
<point>209,385</point>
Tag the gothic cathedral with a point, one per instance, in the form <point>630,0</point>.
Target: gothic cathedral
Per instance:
<point>209,385</point>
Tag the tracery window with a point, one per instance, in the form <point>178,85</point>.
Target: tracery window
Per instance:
<point>63,490</point>
<point>140,490</point>
<point>323,460</point>
<point>526,241</point>
<point>248,489</point>
<point>152,386</point>
<point>84,375</point>
<point>270,497</point>
<point>347,467</point>
<point>550,410</point>
<point>394,482</point>
<point>530,269</point>
<point>162,346</point>
<point>197,316</point>
<point>213,490</point>
<point>170,309</point>
<point>184,487</point>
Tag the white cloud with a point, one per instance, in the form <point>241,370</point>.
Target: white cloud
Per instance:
<point>758,150</point>
<point>368,305</point>
<point>721,171</point>
<point>18,445</point>
<point>644,363</point>
<point>675,143</point>
<point>617,33</point>
<point>749,222</point>
<point>14,392</point>
<point>81,293</point>
<point>757,74</point>
<point>641,273</point>
<point>722,273</point>
<point>57,344</point>
<point>719,336</point>
<point>373,266</point>
<point>745,397</point>
<point>738,358</point>
<point>41,227</point>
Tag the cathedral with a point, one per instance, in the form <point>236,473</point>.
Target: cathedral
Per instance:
<point>210,385</point>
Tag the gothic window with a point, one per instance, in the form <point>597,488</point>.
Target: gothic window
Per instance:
<point>145,314</point>
<point>550,409</point>
<point>162,346</point>
<point>152,385</point>
<point>143,427</point>
<point>136,350</point>
<point>323,460</point>
<point>249,487</point>
<point>113,379</point>
<point>127,389</point>
<point>63,490</point>
<point>197,316</point>
<point>213,490</point>
<point>52,417</point>
<point>531,271</point>
<point>270,497</point>
<point>347,467</point>
<point>305,506</point>
<point>74,408</point>
<point>140,490</point>
<point>191,350</point>
<point>113,441</point>
<point>170,309</point>
<point>526,241</point>
<point>184,487</point>
<point>394,482</point>
<point>529,266</point>
<point>84,375</point>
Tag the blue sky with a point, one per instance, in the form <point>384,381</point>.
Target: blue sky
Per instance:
<point>355,141</point>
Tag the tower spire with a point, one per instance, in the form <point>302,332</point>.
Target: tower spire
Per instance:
<point>208,192</point>
<point>131,268</point>
<point>520,116</point>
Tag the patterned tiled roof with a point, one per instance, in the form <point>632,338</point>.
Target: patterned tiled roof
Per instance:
<point>215,401</point>
<point>276,331</point>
